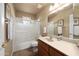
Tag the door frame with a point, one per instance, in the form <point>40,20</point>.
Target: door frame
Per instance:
<point>2,51</point>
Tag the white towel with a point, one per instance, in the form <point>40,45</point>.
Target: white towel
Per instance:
<point>59,30</point>
<point>44,30</point>
<point>76,30</point>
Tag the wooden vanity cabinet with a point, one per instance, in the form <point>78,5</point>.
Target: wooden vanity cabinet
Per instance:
<point>42,49</point>
<point>55,52</point>
<point>51,51</point>
<point>46,50</point>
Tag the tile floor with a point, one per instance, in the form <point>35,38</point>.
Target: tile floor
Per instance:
<point>25,52</point>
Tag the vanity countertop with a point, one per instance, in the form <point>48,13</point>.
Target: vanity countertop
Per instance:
<point>65,47</point>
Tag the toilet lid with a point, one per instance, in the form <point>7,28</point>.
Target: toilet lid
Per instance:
<point>34,43</point>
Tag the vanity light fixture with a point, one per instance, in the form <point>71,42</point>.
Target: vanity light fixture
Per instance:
<point>39,6</point>
<point>58,7</point>
<point>50,7</point>
<point>55,6</point>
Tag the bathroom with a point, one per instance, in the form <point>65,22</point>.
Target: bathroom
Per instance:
<point>32,28</point>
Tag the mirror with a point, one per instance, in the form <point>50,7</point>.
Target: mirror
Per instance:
<point>65,22</point>
<point>60,21</point>
<point>55,28</point>
<point>76,21</point>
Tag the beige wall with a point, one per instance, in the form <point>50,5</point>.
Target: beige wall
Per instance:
<point>20,14</point>
<point>64,14</point>
<point>76,14</point>
<point>76,10</point>
<point>43,16</point>
<point>12,10</point>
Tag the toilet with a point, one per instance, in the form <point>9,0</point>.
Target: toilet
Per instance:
<point>34,45</point>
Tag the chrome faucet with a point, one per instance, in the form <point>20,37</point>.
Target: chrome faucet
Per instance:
<point>59,38</point>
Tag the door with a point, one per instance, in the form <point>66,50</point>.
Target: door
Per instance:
<point>1,28</point>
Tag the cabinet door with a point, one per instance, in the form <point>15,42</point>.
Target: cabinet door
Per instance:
<point>45,50</point>
<point>58,53</point>
<point>55,52</point>
<point>43,45</point>
<point>51,51</point>
<point>42,52</point>
<point>42,49</point>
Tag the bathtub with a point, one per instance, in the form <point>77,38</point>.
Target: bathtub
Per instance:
<point>24,45</point>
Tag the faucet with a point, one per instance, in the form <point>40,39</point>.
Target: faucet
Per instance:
<point>50,37</point>
<point>59,38</point>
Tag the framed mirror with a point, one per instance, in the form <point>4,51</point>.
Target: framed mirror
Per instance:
<point>61,22</point>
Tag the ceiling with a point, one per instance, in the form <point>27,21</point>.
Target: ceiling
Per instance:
<point>29,7</point>
<point>32,8</point>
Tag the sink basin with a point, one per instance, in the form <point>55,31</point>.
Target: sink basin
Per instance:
<point>49,39</point>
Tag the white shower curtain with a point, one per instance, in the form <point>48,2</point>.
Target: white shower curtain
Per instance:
<point>26,32</point>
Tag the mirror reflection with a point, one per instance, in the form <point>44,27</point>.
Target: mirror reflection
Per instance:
<point>60,21</point>
<point>65,22</point>
<point>76,21</point>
